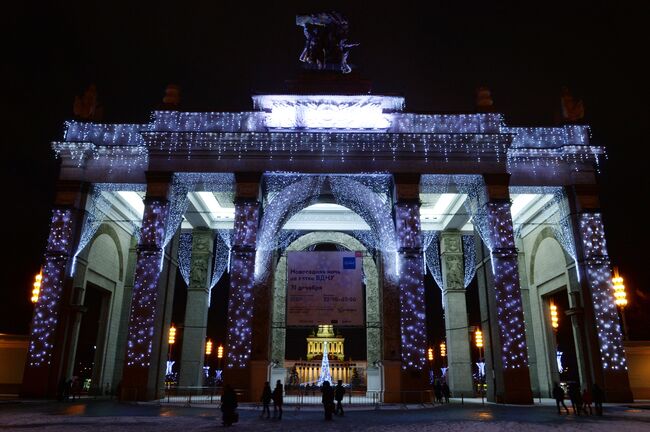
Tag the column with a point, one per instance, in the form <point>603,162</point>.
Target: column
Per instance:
<point>51,320</point>
<point>196,309</point>
<point>603,336</point>
<point>146,332</point>
<point>508,351</point>
<point>411,282</point>
<point>241,303</point>
<point>459,374</point>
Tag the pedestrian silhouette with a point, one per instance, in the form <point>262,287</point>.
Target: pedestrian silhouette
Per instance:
<point>229,406</point>
<point>558,395</point>
<point>328,399</point>
<point>598,396</point>
<point>445,391</point>
<point>339,391</point>
<point>278,400</point>
<point>586,401</point>
<point>266,398</point>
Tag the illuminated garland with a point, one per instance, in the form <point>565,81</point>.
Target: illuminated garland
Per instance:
<point>599,278</point>
<point>241,302</point>
<point>510,315</point>
<point>469,258</point>
<point>145,287</point>
<point>46,312</point>
<point>411,284</point>
<point>185,256</point>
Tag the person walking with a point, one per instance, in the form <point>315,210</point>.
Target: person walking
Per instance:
<point>267,396</point>
<point>576,397</point>
<point>558,395</point>
<point>437,390</point>
<point>598,396</point>
<point>586,400</point>
<point>328,399</point>
<point>339,391</point>
<point>278,400</point>
<point>445,391</point>
<point>229,406</point>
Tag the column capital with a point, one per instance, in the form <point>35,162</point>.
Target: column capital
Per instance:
<point>407,187</point>
<point>583,198</point>
<point>247,185</point>
<point>497,186</point>
<point>70,193</point>
<point>158,184</point>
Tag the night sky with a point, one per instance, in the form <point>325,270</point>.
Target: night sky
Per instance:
<point>434,55</point>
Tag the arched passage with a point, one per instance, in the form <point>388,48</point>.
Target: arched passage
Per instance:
<point>279,317</point>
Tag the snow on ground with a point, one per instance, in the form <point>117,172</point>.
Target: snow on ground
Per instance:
<point>110,416</point>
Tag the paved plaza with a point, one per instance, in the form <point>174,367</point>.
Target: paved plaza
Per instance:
<point>99,416</point>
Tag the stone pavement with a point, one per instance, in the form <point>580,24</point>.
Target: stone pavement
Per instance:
<point>98,416</point>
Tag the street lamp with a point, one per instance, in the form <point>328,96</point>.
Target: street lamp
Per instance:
<point>219,355</point>
<point>555,320</point>
<point>620,297</point>
<point>478,338</point>
<point>430,358</point>
<point>37,286</point>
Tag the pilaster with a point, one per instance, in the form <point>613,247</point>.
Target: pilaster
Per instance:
<point>459,374</point>
<point>196,309</point>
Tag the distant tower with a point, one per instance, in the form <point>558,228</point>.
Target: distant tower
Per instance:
<point>325,374</point>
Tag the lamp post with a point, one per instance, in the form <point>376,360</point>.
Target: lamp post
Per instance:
<point>478,338</point>
<point>620,298</point>
<point>171,340</point>
<point>430,358</point>
<point>555,325</point>
<point>36,291</point>
<point>443,354</point>
<point>219,355</point>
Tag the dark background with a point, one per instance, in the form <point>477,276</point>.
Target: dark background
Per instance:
<point>433,53</point>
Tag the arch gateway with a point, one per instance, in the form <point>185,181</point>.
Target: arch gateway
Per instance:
<point>463,197</point>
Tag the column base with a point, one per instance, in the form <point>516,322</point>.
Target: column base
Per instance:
<point>617,387</point>
<point>516,389</point>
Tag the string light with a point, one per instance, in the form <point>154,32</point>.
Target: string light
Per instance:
<point>240,302</point>
<point>430,354</point>
<point>145,289</point>
<point>208,347</point>
<point>220,352</point>
<point>599,278</point>
<point>411,284</point>
<point>46,311</point>
<point>443,349</point>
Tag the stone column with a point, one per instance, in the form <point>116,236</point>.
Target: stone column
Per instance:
<point>603,337</point>
<point>508,337</point>
<point>52,318</point>
<point>148,295</point>
<point>196,309</point>
<point>241,304</point>
<point>411,282</point>
<point>459,374</point>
